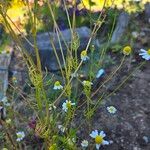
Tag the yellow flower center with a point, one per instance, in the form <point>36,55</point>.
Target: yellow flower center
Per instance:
<point>148,52</point>
<point>98,139</point>
<point>68,105</point>
<point>84,53</point>
<point>57,83</point>
<point>127,50</point>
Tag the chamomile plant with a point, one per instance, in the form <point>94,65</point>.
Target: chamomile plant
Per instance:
<point>62,118</point>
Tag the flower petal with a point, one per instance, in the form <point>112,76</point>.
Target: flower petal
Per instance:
<point>105,142</point>
<point>98,146</point>
<point>100,73</point>
<point>142,54</point>
<point>94,134</point>
<point>102,134</point>
<point>147,57</point>
<point>143,50</point>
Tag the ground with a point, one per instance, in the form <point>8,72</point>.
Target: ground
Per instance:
<point>129,127</point>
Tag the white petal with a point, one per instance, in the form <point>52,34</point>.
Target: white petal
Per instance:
<point>105,142</point>
<point>100,73</point>
<point>84,143</point>
<point>143,50</point>
<point>98,146</point>
<point>147,57</point>
<point>64,107</point>
<point>60,87</point>
<point>55,87</point>
<point>141,54</point>
<point>102,134</point>
<point>94,134</point>
<point>18,139</point>
<point>84,58</point>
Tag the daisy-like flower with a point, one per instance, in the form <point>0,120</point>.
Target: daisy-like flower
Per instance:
<point>20,136</point>
<point>67,105</point>
<point>100,73</point>
<point>61,128</point>
<point>135,34</point>
<point>57,86</point>
<point>84,56</point>
<point>87,83</point>
<point>111,109</point>
<point>145,54</point>
<point>84,143</point>
<point>99,138</point>
<point>127,50</point>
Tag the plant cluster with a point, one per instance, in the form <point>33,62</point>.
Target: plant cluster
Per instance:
<point>53,115</point>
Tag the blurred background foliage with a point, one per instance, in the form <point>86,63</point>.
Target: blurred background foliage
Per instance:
<point>130,6</point>
<point>19,13</point>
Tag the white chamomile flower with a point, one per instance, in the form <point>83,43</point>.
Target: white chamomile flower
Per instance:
<point>87,83</point>
<point>145,54</point>
<point>57,86</point>
<point>100,73</point>
<point>61,128</point>
<point>84,143</point>
<point>67,105</point>
<point>99,138</point>
<point>20,136</point>
<point>111,109</point>
<point>84,56</point>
